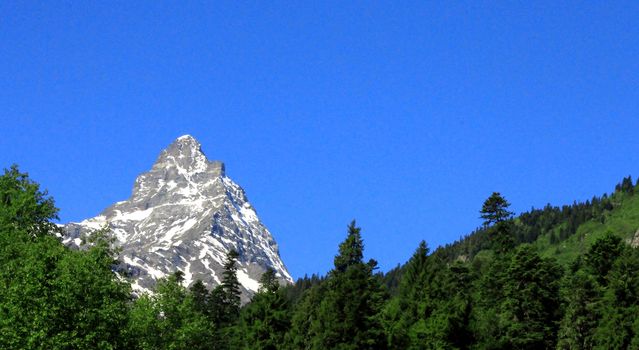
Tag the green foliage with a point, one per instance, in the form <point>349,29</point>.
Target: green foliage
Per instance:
<point>603,254</point>
<point>23,206</point>
<point>52,297</point>
<point>413,302</point>
<point>199,293</point>
<point>351,251</point>
<point>295,292</point>
<point>224,300</point>
<point>342,313</point>
<point>495,209</point>
<point>231,285</point>
<point>573,227</point>
<point>304,322</point>
<point>617,327</point>
<point>348,314</point>
<point>530,309</point>
<point>626,186</point>
<point>170,319</point>
<point>265,321</point>
<point>517,303</point>
<point>487,291</point>
<point>582,295</point>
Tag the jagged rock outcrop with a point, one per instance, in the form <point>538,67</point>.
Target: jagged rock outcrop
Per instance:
<point>185,214</point>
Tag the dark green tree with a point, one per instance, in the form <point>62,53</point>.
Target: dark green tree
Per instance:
<point>304,320</point>
<point>265,320</point>
<point>348,315</point>
<point>530,309</point>
<point>224,305</point>
<point>433,305</point>
<point>495,209</point>
<point>199,293</point>
<point>618,324</point>
<point>231,286</point>
<point>412,303</point>
<point>582,296</point>
<point>224,299</point>
<point>602,255</point>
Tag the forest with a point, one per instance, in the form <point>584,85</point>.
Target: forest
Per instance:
<point>551,278</point>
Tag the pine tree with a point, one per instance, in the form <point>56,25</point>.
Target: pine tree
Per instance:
<point>199,293</point>
<point>581,313</point>
<point>265,320</point>
<point>348,315</point>
<point>495,209</point>
<point>224,300</point>
<point>530,309</point>
<point>224,304</point>
<point>412,302</point>
<point>231,285</point>
<point>497,217</point>
<point>618,325</point>
<point>305,330</point>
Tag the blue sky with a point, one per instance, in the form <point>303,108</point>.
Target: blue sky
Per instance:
<point>402,115</point>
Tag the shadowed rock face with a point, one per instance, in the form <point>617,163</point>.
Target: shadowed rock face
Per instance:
<point>185,214</point>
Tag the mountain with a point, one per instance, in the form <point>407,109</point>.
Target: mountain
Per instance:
<point>185,214</point>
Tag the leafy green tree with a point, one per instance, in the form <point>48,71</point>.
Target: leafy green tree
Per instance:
<point>24,207</point>
<point>169,319</point>
<point>145,329</point>
<point>456,309</point>
<point>91,301</point>
<point>52,297</point>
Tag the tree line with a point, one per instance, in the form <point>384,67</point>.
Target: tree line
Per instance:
<point>508,297</point>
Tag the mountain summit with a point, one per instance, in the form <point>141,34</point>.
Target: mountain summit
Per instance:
<point>185,214</point>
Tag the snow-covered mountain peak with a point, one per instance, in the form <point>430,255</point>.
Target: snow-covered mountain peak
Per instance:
<point>186,214</point>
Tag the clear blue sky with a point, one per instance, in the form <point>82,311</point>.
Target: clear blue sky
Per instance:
<point>403,116</point>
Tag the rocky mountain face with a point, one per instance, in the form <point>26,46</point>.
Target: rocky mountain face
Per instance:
<point>185,214</point>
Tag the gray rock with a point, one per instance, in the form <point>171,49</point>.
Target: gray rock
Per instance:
<point>634,240</point>
<point>185,214</point>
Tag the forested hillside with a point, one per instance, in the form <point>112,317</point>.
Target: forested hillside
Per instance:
<point>566,231</point>
<point>552,278</point>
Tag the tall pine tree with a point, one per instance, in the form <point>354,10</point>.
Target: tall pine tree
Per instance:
<point>348,316</point>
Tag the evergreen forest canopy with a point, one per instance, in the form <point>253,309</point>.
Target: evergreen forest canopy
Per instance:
<point>551,278</point>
